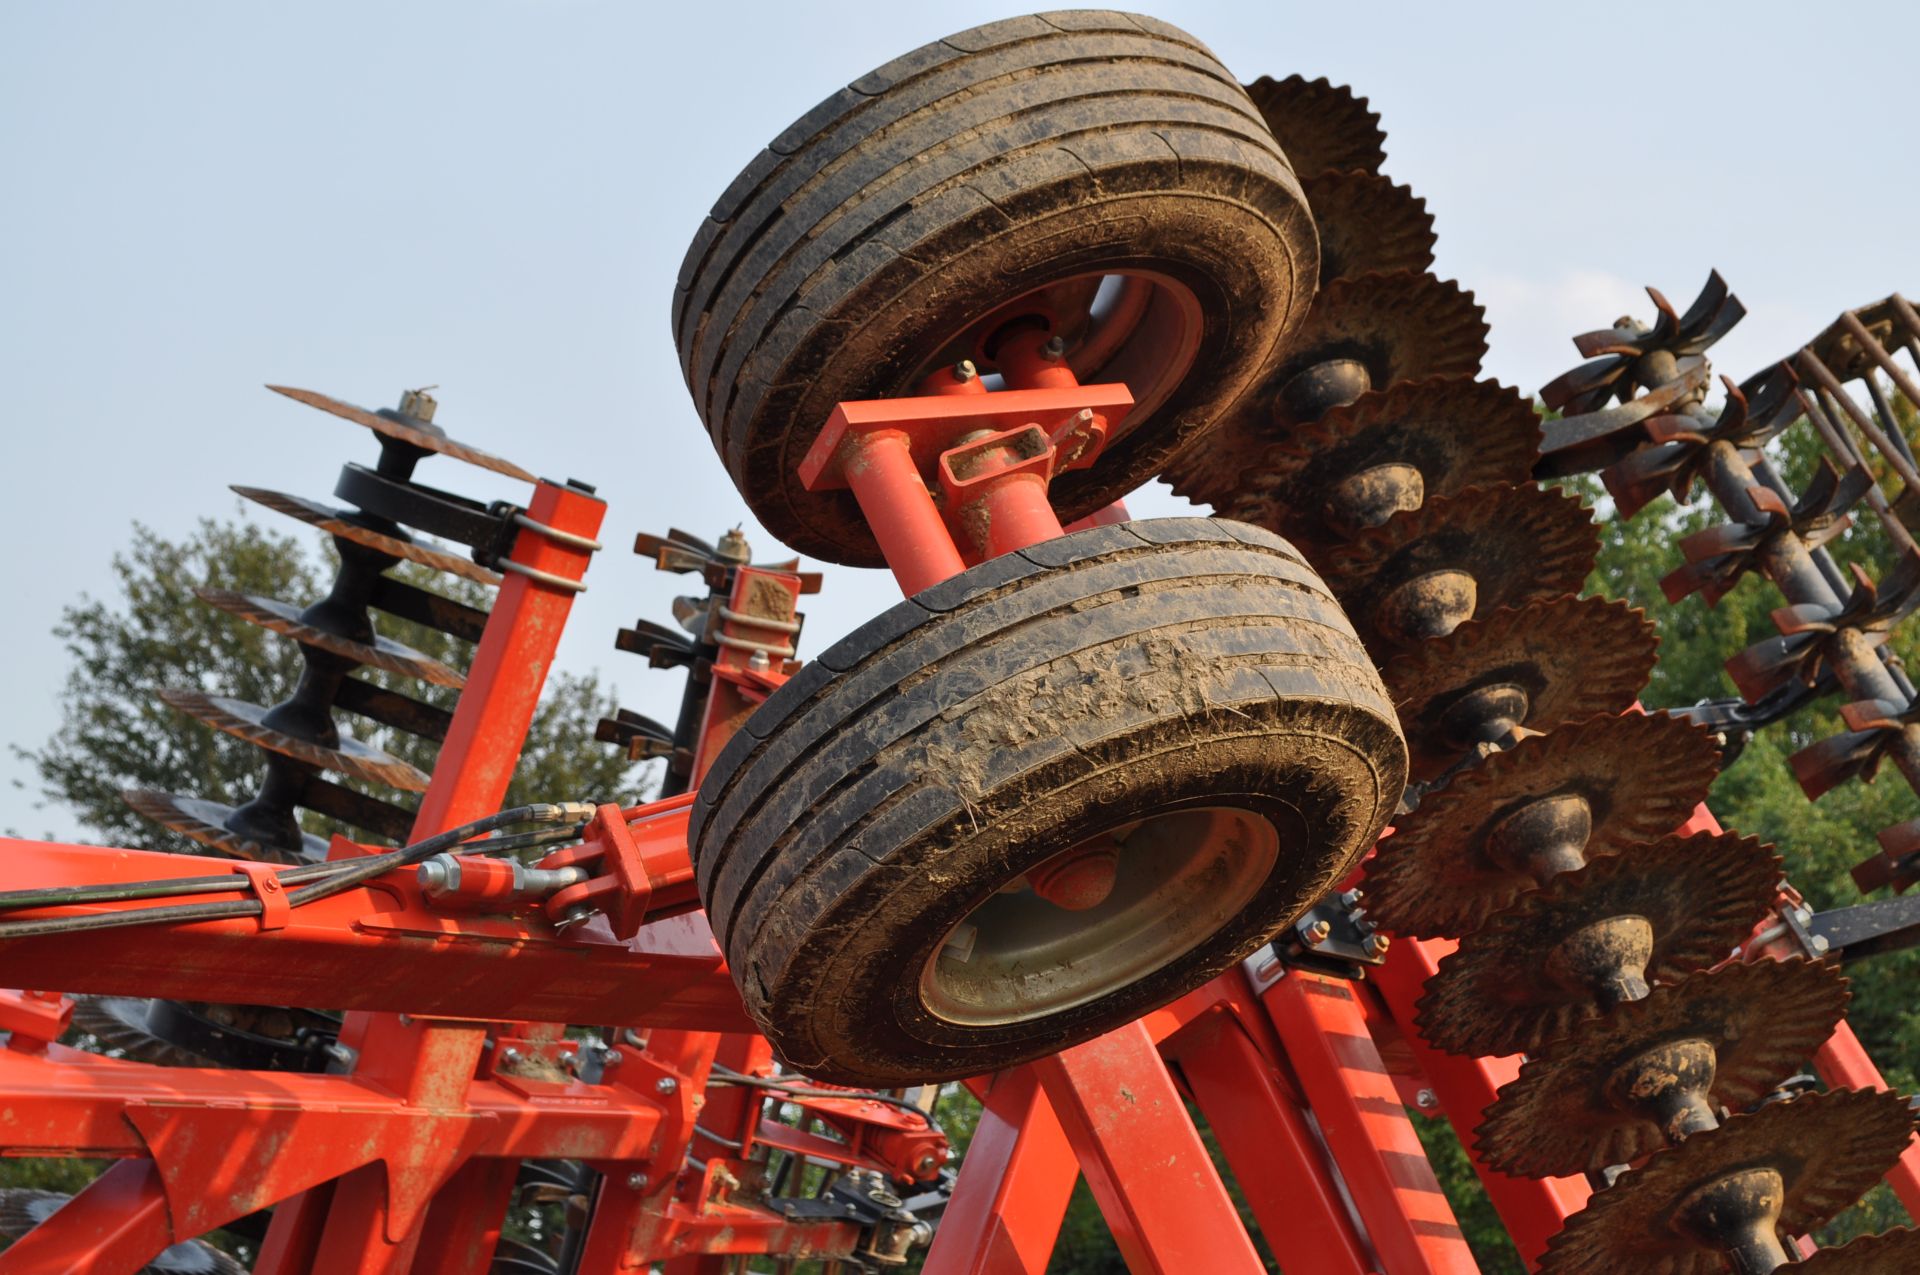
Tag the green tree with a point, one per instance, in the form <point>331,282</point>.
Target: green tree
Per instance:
<point>155,633</point>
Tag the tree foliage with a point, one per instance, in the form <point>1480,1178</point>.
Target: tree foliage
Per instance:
<point>155,634</point>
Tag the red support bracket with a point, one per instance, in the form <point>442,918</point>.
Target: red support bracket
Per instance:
<point>264,880</point>
<point>991,455</point>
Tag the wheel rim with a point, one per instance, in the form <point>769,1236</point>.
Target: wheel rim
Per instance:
<point>1136,327</point>
<point>1179,878</point>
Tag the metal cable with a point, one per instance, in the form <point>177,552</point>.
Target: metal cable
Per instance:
<point>320,880</point>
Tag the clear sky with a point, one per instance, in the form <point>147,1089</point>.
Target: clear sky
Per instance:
<point>197,198</point>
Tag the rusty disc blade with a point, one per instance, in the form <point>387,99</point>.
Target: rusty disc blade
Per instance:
<point>382,653</point>
<point>1422,573</point>
<point>246,721</point>
<point>336,522</point>
<point>1572,1109</point>
<point>1419,440</point>
<point>1506,989</point>
<point>120,1022</point>
<point>1320,125</point>
<point>1368,225</point>
<point>206,822</point>
<point>1546,663</point>
<point>426,439</point>
<point>1388,327</point>
<point>1889,1253</point>
<point>1456,859</point>
<point>1827,1150</point>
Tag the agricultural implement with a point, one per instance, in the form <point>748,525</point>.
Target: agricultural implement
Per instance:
<point>1090,823</point>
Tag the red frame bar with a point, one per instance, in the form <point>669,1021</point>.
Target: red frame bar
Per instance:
<point>1129,1128</point>
<point>1358,1107</point>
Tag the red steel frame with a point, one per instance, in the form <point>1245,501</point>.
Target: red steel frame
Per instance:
<point>406,1163</point>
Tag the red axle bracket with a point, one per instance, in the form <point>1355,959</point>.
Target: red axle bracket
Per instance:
<point>990,453</point>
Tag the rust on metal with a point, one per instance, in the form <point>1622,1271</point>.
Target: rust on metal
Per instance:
<point>381,653</point>
<point>1387,451</point>
<point>1536,666</point>
<point>1362,333</point>
<point>338,522</point>
<point>1319,125</point>
<point>1895,1252</point>
<point>206,822</point>
<point>1424,572</point>
<point>1595,938</point>
<point>1730,1199</point>
<point>1654,1071</point>
<point>1549,804</point>
<point>412,431</point>
<point>1368,225</point>
<point>247,721</point>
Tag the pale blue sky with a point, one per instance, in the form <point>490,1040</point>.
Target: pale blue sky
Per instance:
<point>199,198</point>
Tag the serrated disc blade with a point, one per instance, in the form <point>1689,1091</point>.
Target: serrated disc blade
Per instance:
<point>246,721</point>
<point>431,440</point>
<point>1320,125</point>
<point>206,822</point>
<point>1827,1150</point>
<point>1501,992</point>
<point>1894,1252</point>
<point>1368,225</point>
<point>382,653</point>
<point>1572,1109</point>
<point>1567,658</point>
<point>1454,432</point>
<point>1639,776</point>
<point>1423,572</point>
<point>335,522</point>
<point>120,1023</point>
<point>1399,327</point>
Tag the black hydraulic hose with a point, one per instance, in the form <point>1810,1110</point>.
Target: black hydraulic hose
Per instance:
<point>314,881</point>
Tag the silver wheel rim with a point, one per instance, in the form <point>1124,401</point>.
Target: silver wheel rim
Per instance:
<point>1180,877</point>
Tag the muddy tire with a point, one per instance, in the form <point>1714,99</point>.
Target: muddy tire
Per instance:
<point>1186,685</point>
<point>869,243</point>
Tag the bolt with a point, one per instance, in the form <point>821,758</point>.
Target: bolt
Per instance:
<point>964,371</point>
<point>1820,943</point>
<point>1376,944</point>
<point>1425,1100</point>
<point>1802,915</point>
<point>419,404</point>
<point>666,1084</point>
<point>1054,350</point>
<point>569,1058</point>
<point>636,1181</point>
<point>611,1058</point>
<point>1317,933</point>
<point>510,1058</point>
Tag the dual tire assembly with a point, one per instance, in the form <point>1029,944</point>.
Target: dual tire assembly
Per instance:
<point>1072,783</point>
